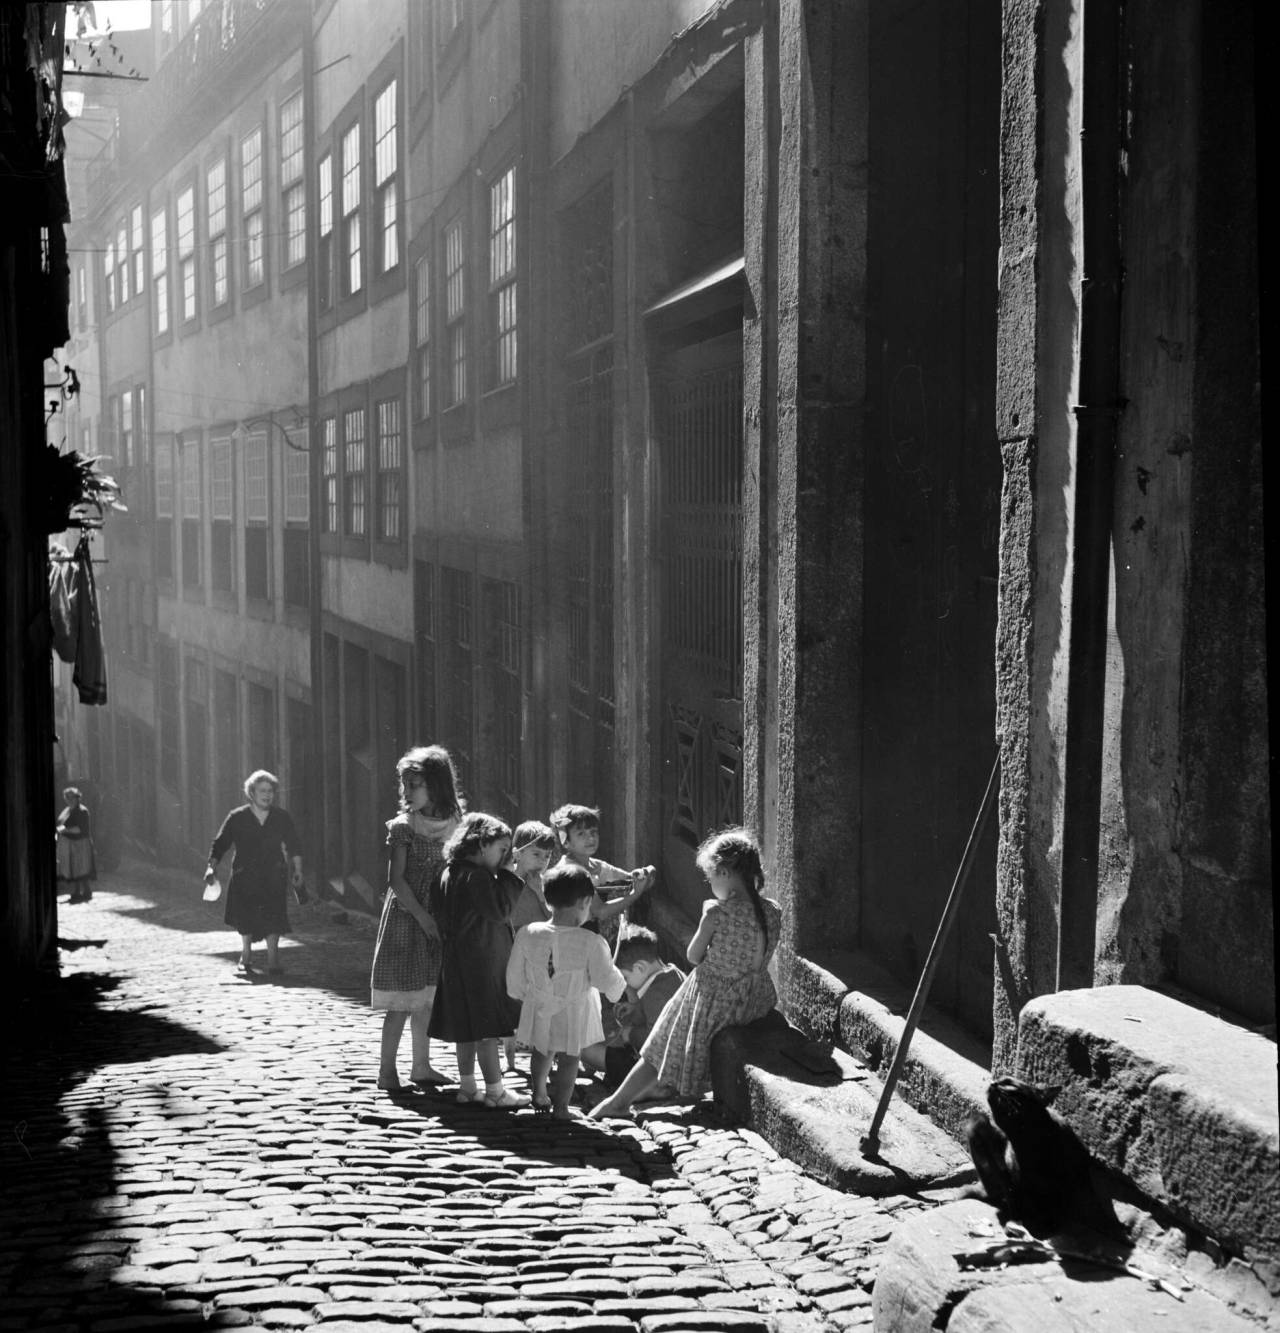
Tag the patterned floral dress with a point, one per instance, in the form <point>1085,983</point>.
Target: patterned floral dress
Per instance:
<point>406,961</point>
<point>730,985</point>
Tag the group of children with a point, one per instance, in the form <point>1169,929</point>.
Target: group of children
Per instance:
<point>484,943</point>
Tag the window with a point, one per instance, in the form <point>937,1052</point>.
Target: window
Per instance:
<point>222,560</point>
<point>126,429</point>
<point>137,250</point>
<point>261,720</point>
<point>166,16</point>
<point>251,207</point>
<point>353,274</point>
<point>502,278</point>
<point>324,275</point>
<point>457,630</point>
<point>297,556</point>
<point>506,688</point>
<point>82,300</point>
<point>190,514</point>
<point>386,197</point>
<point>422,336</point>
<point>160,269</point>
<point>390,486</point>
<point>257,519</point>
<point>354,478</point>
<point>122,264</point>
<point>164,510</point>
<point>292,185</point>
<point>142,426</point>
<point>109,274</point>
<point>113,428</point>
<point>329,473</point>
<point>216,211</point>
<point>424,580</point>
<point>455,313</point>
<point>187,251</point>
<point>167,708</point>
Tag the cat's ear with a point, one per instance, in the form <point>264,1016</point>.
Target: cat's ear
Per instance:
<point>1046,1093</point>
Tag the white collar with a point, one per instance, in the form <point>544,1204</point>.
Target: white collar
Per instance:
<point>648,981</point>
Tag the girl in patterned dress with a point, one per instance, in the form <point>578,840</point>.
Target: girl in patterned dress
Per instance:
<point>556,971</point>
<point>729,983</point>
<point>406,958</point>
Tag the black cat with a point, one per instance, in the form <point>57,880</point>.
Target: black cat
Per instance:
<point>1031,1164</point>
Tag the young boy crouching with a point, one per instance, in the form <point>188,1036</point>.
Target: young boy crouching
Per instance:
<point>650,984</point>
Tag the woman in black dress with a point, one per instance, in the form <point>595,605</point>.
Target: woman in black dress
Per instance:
<point>267,853</point>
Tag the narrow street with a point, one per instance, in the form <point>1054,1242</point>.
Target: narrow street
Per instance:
<point>183,1148</point>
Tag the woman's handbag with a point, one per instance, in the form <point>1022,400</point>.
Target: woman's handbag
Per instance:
<point>212,892</point>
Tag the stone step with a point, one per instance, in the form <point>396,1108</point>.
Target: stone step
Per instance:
<point>813,1104</point>
<point>848,998</point>
<point>930,1278</point>
<point>1173,1099</point>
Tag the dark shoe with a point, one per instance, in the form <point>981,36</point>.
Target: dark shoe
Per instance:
<point>244,969</point>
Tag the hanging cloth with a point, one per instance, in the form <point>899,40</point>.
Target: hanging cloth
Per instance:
<point>62,607</point>
<point>90,674</point>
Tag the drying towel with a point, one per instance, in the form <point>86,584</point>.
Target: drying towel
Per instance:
<point>62,611</point>
<point>90,674</point>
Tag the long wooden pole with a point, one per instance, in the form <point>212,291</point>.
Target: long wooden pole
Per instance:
<point>871,1140</point>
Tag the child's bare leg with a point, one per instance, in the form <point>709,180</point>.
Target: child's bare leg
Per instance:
<point>392,1028</point>
<point>539,1068</point>
<point>422,1071</point>
<point>509,1051</point>
<point>593,1057</point>
<point>642,1078</point>
<point>495,1091</point>
<point>466,1051</point>
<point>566,1077</point>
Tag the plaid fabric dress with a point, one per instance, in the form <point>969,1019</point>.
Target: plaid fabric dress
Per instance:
<point>406,962</point>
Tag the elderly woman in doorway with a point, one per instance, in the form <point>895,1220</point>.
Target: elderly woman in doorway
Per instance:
<point>267,853</point>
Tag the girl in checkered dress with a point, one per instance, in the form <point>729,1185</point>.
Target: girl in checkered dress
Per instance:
<point>406,958</point>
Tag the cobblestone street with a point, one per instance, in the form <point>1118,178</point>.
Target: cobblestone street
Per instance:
<point>186,1148</point>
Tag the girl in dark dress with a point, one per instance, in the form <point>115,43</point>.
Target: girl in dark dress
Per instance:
<point>472,904</point>
<point>266,847</point>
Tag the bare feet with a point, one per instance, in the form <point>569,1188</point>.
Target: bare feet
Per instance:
<point>562,1113</point>
<point>609,1109</point>
<point>429,1078</point>
<point>389,1082</point>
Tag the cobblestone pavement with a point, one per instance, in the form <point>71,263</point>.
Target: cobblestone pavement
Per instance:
<point>184,1148</point>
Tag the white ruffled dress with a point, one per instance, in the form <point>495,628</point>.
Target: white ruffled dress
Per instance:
<point>556,973</point>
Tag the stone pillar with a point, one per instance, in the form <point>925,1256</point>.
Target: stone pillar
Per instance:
<point>805,394</point>
<point>1036,386</point>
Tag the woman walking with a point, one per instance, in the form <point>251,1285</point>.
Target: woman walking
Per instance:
<point>267,853</point>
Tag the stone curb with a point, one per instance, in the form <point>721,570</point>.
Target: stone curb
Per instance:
<point>946,1071</point>
<point>814,1105</point>
<point>1179,1102</point>
<point>921,1286</point>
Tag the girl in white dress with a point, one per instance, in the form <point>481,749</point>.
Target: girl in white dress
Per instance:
<point>556,971</point>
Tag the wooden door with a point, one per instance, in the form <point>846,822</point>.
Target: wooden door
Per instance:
<point>700,438</point>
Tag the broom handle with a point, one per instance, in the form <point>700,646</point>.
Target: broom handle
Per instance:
<point>872,1139</point>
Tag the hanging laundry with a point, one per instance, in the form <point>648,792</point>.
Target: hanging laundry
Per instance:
<point>90,674</point>
<point>62,608</point>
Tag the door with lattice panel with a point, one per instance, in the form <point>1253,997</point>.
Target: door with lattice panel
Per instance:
<point>699,417</point>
